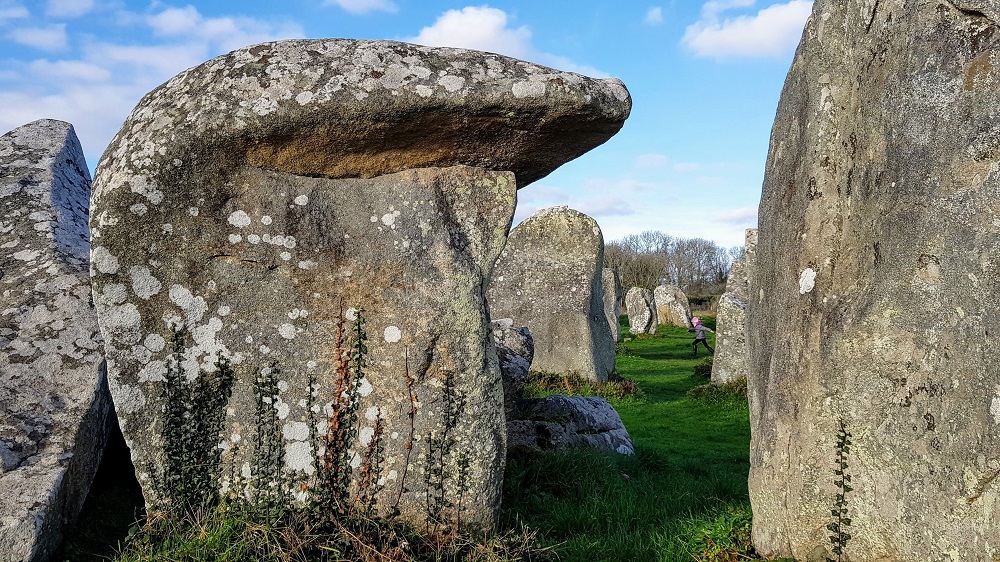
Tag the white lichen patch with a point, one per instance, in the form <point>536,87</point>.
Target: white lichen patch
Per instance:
<point>287,331</point>
<point>103,261</point>
<point>302,200</point>
<point>528,89</point>
<point>266,219</point>
<point>295,431</point>
<point>389,219</point>
<point>235,238</point>
<point>144,285</point>
<point>392,334</point>
<point>194,307</point>
<point>365,388</point>
<point>351,314</point>
<point>365,435</point>
<point>154,343</point>
<point>807,281</point>
<point>298,456</point>
<point>239,219</point>
<point>372,414</point>
<point>995,409</point>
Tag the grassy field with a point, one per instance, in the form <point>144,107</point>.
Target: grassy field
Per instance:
<point>681,497</point>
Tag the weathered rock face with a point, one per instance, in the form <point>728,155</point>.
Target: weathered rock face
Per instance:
<point>54,403</point>
<point>251,203</point>
<point>549,278</point>
<point>875,294</point>
<point>562,422</point>
<point>731,354</point>
<point>612,286</point>
<point>515,350</point>
<point>672,307</point>
<point>641,310</point>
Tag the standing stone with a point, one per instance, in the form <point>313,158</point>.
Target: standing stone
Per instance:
<point>731,353</point>
<point>54,404</point>
<point>641,310</point>
<point>549,278</point>
<point>672,307</point>
<point>876,292</point>
<point>612,285</point>
<point>250,205</point>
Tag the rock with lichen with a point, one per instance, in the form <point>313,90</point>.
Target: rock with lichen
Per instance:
<point>672,307</point>
<point>549,279</point>
<point>559,422</point>
<point>251,206</point>
<point>54,404</point>
<point>515,350</point>
<point>873,303</point>
<point>612,285</point>
<point>641,310</point>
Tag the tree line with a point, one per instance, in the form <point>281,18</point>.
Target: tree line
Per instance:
<point>652,258</point>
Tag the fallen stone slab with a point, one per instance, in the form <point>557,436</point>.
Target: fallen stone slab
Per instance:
<point>562,422</point>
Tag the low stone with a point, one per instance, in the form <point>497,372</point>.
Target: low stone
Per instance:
<point>641,310</point>
<point>55,411</point>
<point>612,286</point>
<point>549,279</point>
<point>672,307</point>
<point>561,422</point>
<point>515,349</point>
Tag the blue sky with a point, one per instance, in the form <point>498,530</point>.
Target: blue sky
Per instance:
<point>705,77</point>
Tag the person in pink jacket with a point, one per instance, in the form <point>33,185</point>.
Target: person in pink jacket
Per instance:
<point>700,336</point>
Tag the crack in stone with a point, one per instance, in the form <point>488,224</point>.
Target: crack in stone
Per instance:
<point>989,9</point>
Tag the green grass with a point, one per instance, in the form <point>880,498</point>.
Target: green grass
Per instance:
<point>681,497</point>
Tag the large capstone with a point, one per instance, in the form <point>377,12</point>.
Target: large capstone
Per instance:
<point>549,279</point>
<point>874,301</point>
<point>253,210</point>
<point>55,409</point>
<point>731,354</point>
<point>612,285</point>
<point>641,310</point>
<point>672,307</point>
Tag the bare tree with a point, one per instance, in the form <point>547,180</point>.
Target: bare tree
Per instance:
<point>652,258</point>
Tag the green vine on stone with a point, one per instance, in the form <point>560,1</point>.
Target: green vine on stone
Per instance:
<point>269,489</point>
<point>839,527</point>
<point>439,449</point>
<point>194,416</point>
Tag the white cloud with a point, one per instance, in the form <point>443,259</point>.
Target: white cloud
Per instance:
<point>481,28</point>
<point>48,38</point>
<point>363,6</point>
<point>646,161</point>
<point>654,16</point>
<point>773,31</point>
<point>487,29</point>
<point>69,69</point>
<point>12,12</point>
<point>68,8</point>
<point>685,167</point>
<point>745,217</point>
<point>227,33</point>
<point>97,87</point>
